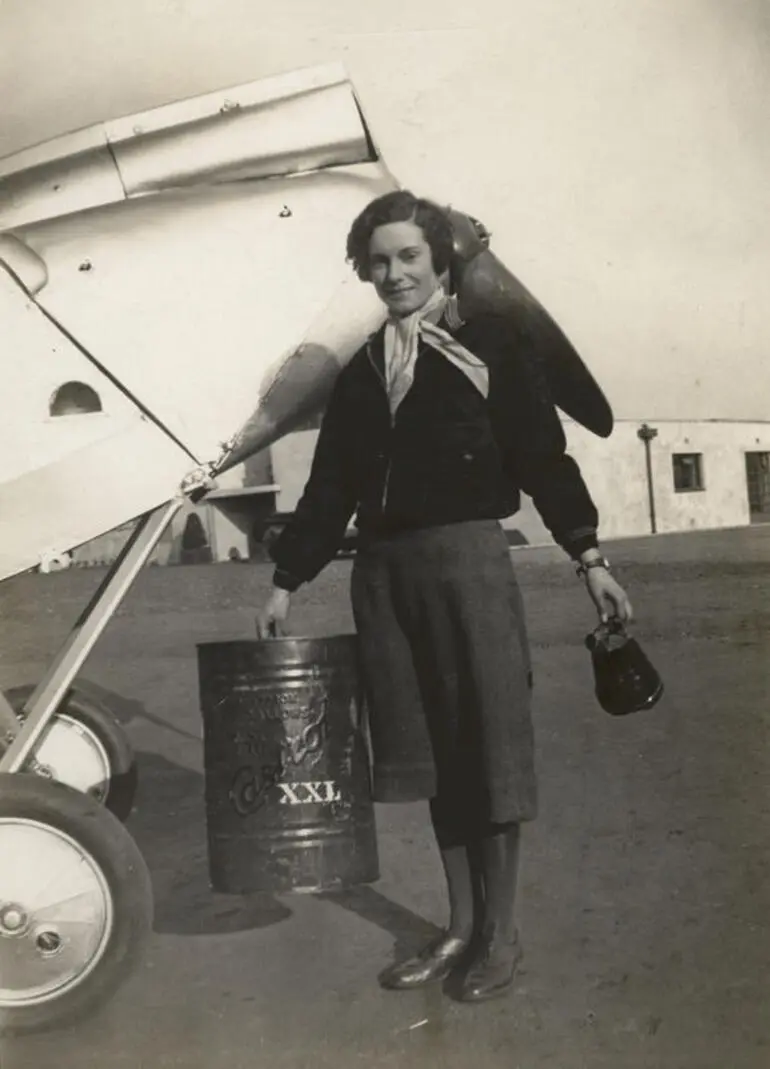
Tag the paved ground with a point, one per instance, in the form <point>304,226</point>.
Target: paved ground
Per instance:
<point>644,891</point>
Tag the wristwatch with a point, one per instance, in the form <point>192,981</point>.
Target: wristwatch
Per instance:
<point>595,562</point>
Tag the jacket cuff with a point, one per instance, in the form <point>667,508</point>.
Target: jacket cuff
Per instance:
<point>285,580</point>
<point>576,546</point>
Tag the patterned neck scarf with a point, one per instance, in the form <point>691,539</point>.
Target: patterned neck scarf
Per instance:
<point>402,339</point>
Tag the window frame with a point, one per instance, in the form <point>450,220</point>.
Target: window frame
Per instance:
<point>698,471</point>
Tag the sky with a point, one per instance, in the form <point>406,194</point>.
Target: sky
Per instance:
<point>617,149</point>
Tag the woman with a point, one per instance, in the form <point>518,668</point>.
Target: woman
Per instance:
<point>432,430</point>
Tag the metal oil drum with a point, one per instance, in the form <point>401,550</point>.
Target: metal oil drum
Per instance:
<point>288,802</point>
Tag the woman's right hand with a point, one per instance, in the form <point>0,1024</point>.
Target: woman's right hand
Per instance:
<point>272,617</point>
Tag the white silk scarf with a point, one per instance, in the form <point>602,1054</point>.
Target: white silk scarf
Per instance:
<point>402,339</point>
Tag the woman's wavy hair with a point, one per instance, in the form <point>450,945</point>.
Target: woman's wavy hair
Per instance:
<point>400,207</point>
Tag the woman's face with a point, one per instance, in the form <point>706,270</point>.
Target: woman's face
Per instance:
<point>401,267</point>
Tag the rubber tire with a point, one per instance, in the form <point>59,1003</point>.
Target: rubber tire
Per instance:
<point>95,715</point>
<point>113,850</point>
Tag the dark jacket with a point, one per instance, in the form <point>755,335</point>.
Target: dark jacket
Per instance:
<point>449,455</point>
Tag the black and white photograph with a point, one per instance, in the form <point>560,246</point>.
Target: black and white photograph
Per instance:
<point>384,534</point>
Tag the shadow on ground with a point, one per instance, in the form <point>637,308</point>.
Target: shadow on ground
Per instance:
<point>169,825</point>
<point>127,710</point>
<point>409,930</point>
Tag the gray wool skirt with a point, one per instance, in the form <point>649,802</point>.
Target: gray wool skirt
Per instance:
<point>447,672</point>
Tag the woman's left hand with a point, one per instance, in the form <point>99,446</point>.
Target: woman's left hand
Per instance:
<point>608,596</point>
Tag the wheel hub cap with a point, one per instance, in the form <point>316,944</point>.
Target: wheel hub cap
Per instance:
<point>13,920</point>
<point>71,753</point>
<point>56,912</point>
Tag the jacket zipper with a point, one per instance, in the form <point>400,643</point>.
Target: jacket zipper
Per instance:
<point>385,487</point>
<point>383,380</point>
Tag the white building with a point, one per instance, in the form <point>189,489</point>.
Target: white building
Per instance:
<point>701,474</point>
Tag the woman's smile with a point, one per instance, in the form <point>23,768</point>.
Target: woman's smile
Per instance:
<point>401,265</point>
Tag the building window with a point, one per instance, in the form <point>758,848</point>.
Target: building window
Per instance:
<point>688,472</point>
<point>758,480</point>
<point>74,399</point>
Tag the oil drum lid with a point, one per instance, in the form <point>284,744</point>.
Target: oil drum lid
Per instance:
<point>283,652</point>
<point>485,285</point>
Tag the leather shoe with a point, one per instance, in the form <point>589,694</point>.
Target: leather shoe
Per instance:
<point>492,967</point>
<point>433,964</point>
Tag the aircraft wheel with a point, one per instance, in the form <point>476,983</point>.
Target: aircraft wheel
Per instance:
<point>75,904</point>
<point>85,747</point>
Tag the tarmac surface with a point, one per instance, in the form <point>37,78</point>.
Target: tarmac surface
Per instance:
<point>644,889</point>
